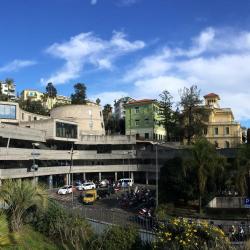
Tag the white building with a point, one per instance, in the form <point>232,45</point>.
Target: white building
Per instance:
<point>119,107</point>
<point>9,90</point>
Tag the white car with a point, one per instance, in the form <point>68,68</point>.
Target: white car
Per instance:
<point>65,190</point>
<point>88,186</point>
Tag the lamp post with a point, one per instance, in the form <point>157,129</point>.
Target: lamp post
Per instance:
<point>156,177</point>
<point>71,152</point>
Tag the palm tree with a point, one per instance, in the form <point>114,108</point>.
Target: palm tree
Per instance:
<point>20,197</point>
<point>204,160</point>
<point>10,84</point>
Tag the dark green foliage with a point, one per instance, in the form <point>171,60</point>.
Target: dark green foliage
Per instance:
<point>98,101</point>
<point>243,169</point>
<point>109,121</point>
<point>51,90</point>
<point>174,184</point>
<point>168,118</point>
<point>79,97</point>
<point>35,107</point>
<point>122,238</point>
<point>204,163</point>
<point>193,116</point>
<point>67,229</point>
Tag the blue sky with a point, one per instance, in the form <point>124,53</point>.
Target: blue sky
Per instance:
<point>129,47</point>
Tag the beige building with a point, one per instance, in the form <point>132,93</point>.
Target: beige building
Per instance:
<point>222,129</point>
<point>35,95</point>
<point>88,117</point>
<point>11,113</point>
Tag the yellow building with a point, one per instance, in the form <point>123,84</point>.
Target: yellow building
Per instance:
<point>33,95</point>
<point>222,129</point>
<point>49,103</point>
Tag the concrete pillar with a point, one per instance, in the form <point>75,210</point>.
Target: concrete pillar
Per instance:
<point>100,176</point>
<point>132,175</point>
<point>50,181</point>
<point>35,180</point>
<point>84,176</point>
<point>67,179</point>
<point>146,178</point>
<point>115,176</point>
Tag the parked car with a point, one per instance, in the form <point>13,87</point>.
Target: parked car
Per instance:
<point>65,190</point>
<point>104,183</point>
<point>88,186</point>
<point>126,182</point>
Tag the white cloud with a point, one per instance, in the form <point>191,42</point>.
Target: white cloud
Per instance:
<point>108,97</point>
<point>217,61</point>
<point>16,65</point>
<point>127,2</point>
<point>88,49</point>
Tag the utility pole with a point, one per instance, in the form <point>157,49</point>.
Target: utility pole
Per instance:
<point>156,177</point>
<point>70,168</point>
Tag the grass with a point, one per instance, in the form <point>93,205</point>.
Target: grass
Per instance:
<point>26,239</point>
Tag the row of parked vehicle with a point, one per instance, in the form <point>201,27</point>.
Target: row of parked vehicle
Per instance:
<point>89,185</point>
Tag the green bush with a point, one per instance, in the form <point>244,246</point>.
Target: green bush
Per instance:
<point>180,234</point>
<point>122,238</point>
<point>68,229</point>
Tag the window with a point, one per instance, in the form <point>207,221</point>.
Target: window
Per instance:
<point>227,144</point>
<point>102,124</point>
<point>227,130</point>
<point>137,110</point>
<point>216,131</point>
<point>66,130</point>
<point>146,135</point>
<point>205,131</point>
<point>35,118</point>
<point>146,121</point>
<point>7,111</point>
<point>100,113</point>
<point>216,144</point>
<point>91,124</point>
<point>137,136</point>
<point>22,116</point>
<point>137,122</point>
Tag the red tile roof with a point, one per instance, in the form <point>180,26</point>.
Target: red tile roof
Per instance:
<point>142,101</point>
<point>211,95</point>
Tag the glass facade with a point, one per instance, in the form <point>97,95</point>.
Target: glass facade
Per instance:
<point>66,130</point>
<point>7,111</point>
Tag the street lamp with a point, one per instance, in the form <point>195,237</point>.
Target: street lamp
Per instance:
<point>71,152</point>
<point>156,177</point>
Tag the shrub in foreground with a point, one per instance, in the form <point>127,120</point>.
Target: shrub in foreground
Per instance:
<point>180,234</point>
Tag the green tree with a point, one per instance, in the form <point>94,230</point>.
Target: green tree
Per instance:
<point>176,182</point>
<point>117,237</point>
<point>204,160</point>
<point>98,101</point>
<point>51,93</point>
<point>166,113</point>
<point>79,97</point>
<point>109,121</point>
<point>51,90</point>
<point>35,107</point>
<point>67,228</point>
<point>194,115</point>
<point>20,197</point>
<point>10,86</point>
<point>243,169</point>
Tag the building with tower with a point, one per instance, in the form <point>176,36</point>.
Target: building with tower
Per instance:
<point>222,130</point>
